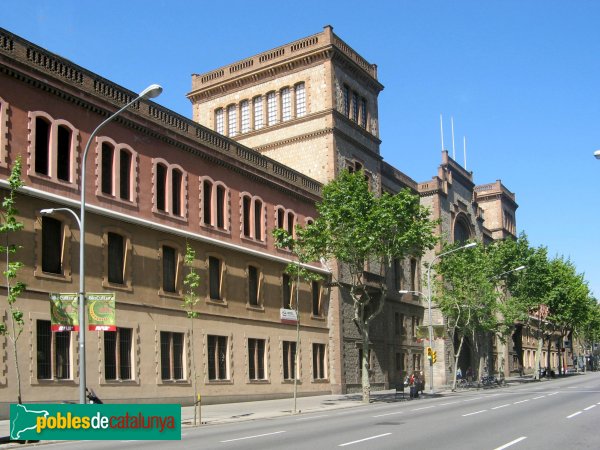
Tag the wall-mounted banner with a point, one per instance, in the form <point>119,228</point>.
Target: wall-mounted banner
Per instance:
<point>64,312</point>
<point>101,312</point>
<point>95,422</point>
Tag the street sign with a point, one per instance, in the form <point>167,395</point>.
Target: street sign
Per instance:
<point>288,316</point>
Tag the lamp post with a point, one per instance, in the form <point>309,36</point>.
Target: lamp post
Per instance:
<point>472,244</point>
<point>151,91</point>
<point>597,154</point>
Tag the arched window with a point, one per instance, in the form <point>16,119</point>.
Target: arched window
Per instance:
<point>170,189</point>
<point>462,232</point>
<point>253,216</point>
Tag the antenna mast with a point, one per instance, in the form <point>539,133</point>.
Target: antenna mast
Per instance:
<point>465,150</point>
<point>442,131</point>
<point>453,151</point>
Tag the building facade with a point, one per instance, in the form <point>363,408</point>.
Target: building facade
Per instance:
<point>313,105</point>
<point>156,183</point>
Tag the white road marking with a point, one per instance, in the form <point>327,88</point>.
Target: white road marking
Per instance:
<point>501,406</point>
<point>589,407</point>
<point>313,417</point>
<point>508,444</point>
<point>553,393</point>
<point>252,437</point>
<point>473,413</point>
<point>449,403</point>
<point>424,407</point>
<point>365,439</point>
<point>535,398</point>
<point>471,399</point>
<point>522,401</point>
<point>574,414</point>
<point>389,414</point>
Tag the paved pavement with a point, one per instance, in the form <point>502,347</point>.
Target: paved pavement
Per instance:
<point>235,412</point>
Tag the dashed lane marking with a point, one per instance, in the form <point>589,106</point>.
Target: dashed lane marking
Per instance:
<point>389,414</point>
<point>574,414</point>
<point>252,437</point>
<point>522,401</point>
<point>508,444</point>
<point>589,407</point>
<point>365,439</point>
<point>501,406</point>
<point>473,413</point>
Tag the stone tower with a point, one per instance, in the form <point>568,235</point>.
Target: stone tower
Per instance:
<point>310,104</point>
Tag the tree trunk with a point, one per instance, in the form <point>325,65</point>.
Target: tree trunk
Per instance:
<point>366,384</point>
<point>538,354</point>
<point>456,356</point>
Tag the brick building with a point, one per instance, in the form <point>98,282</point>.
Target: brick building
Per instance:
<point>156,181</point>
<point>312,105</point>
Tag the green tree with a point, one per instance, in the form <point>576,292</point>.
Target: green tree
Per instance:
<point>468,299</point>
<point>9,226</point>
<point>191,282</point>
<point>360,230</point>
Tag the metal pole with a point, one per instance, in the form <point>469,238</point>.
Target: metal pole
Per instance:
<point>150,92</point>
<point>297,352</point>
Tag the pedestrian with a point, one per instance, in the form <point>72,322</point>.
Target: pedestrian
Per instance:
<point>458,374</point>
<point>422,378</point>
<point>469,374</point>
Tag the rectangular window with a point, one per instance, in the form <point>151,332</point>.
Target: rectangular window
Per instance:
<point>289,360</point>
<point>258,113</point>
<point>171,355</point>
<point>42,146</point>
<point>319,372</point>
<point>176,185</point>
<point>207,202</point>
<point>286,104</point>
<point>214,280</point>
<point>53,352</point>
<point>271,109</point>
<point>256,359</point>
<point>116,258</point>
<point>52,243</point>
<point>220,206</point>
<point>397,274</point>
<point>232,120</point>
<point>161,186</point>
<point>169,260</point>
<point>316,298</point>
<point>354,107</point>
<point>107,168</point>
<point>286,301</point>
<point>346,100</point>
<point>258,216</point>
<point>246,202</point>
<point>253,283</point>
<point>217,358</point>
<point>63,154</point>
<point>300,100</point>
<point>219,121</point>
<point>363,113</point>
<point>414,276</point>
<point>125,175</point>
<point>245,116</point>
<point>117,354</point>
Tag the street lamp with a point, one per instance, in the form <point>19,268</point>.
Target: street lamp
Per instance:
<point>152,91</point>
<point>597,154</point>
<point>472,244</point>
<point>517,269</point>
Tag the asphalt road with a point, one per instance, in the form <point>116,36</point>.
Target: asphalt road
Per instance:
<point>558,414</point>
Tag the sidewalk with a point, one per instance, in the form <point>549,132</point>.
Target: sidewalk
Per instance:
<point>235,412</point>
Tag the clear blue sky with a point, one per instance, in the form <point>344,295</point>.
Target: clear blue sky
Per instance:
<point>521,79</point>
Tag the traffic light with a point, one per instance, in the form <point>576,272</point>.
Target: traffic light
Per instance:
<point>430,353</point>
<point>433,357</point>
